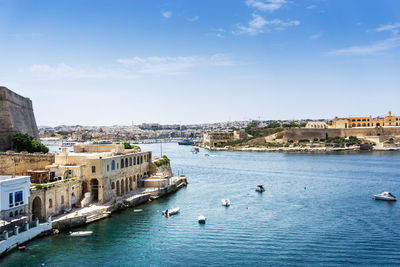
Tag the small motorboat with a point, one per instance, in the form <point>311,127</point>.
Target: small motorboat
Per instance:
<point>137,210</point>
<point>170,212</point>
<point>226,202</point>
<point>260,188</point>
<point>206,155</point>
<point>384,196</point>
<point>81,233</point>
<point>202,219</point>
<point>195,150</point>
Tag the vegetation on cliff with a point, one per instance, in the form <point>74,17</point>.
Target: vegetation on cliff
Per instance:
<point>25,142</point>
<point>128,145</point>
<point>164,160</point>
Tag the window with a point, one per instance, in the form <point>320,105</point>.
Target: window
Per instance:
<point>126,162</point>
<point>122,163</point>
<point>113,165</point>
<point>108,167</point>
<point>11,214</point>
<point>137,162</point>
<point>50,203</point>
<point>62,200</point>
<point>134,161</point>
<point>11,200</point>
<point>16,213</point>
<point>18,198</point>
<point>93,169</point>
<point>113,185</point>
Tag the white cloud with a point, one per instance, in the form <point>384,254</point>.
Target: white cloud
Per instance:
<point>63,70</point>
<point>131,68</point>
<point>260,25</point>
<point>370,49</point>
<point>394,28</point>
<point>166,14</point>
<point>195,18</point>
<point>174,65</point>
<point>311,6</point>
<point>315,36</point>
<point>266,5</point>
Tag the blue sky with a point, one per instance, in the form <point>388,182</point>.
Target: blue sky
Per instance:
<point>118,62</point>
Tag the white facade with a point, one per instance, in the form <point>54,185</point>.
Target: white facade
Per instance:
<point>14,196</point>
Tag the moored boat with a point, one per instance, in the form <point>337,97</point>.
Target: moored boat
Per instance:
<point>226,202</point>
<point>186,142</point>
<point>384,196</point>
<point>81,233</point>
<point>170,212</point>
<point>201,219</point>
<point>260,188</point>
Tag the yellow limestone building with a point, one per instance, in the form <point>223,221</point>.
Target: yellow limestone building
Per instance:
<point>388,120</point>
<point>106,171</point>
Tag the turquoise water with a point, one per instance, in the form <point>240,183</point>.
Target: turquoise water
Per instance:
<point>317,210</point>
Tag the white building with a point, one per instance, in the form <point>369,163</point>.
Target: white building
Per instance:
<point>14,196</point>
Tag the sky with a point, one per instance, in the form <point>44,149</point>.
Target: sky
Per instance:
<point>120,62</point>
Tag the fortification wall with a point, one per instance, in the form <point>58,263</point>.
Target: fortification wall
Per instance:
<point>297,134</point>
<point>19,163</point>
<point>16,116</point>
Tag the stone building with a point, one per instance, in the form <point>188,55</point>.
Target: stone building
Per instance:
<point>16,116</point>
<point>107,171</point>
<point>317,125</point>
<point>213,139</point>
<point>353,122</point>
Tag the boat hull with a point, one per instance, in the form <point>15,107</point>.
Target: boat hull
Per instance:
<point>384,198</point>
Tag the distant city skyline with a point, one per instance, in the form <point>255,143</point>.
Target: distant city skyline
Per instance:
<point>188,62</point>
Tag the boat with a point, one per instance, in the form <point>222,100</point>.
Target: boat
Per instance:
<point>206,155</point>
<point>67,144</point>
<point>81,233</point>
<point>195,150</point>
<point>260,188</point>
<point>384,196</point>
<point>186,142</point>
<point>201,219</point>
<point>226,202</point>
<point>137,210</point>
<point>170,212</point>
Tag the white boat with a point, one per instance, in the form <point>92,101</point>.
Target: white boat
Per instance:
<point>81,233</point>
<point>201,219</point>
<point>170,212</point>
<point>137,210</point>
<point>384,196</point>
<point>260,188</point>
<point>226,202</point>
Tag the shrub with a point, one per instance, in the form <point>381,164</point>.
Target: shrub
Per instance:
<point>164,160</point>
<point>25,142</point>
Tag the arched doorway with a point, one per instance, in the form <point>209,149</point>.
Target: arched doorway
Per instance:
<point>118,192</point>
<point>378,124</point>
<point>94,189</point>
<point>37,208</point>
<point>122,187</point>
<point>127,185</point>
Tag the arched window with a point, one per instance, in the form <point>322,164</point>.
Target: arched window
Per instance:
<point>50,203</point>
<point>134,160</point>
<point>113,165</point>
<point>126,162</point>
<point>137,160</point>
<point>112,185</point>
<point>122,163</point>
<point>16,213</point>
<point>62,200</point>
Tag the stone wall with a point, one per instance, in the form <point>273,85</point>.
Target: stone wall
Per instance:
<point>19,163</point>
<point>296,134</point>
<point>16,116</point>
<point>55,199</point>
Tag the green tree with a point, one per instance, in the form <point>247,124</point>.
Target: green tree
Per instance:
<point>25,142</point>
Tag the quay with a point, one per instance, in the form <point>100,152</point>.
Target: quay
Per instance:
<point>94,212</point>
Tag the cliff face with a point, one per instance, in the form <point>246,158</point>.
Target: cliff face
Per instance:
<point>16,116</point>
